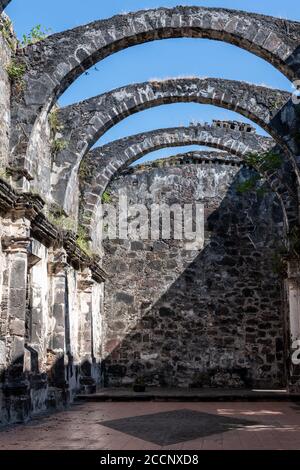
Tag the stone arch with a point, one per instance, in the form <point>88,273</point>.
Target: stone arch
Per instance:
<point>53,64</point>
<point>191,157</point>
<point>3,4</point>
<point>103,163</point>
<point>85,122</point>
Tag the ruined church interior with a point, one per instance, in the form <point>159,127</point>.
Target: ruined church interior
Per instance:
<point>87,318</point>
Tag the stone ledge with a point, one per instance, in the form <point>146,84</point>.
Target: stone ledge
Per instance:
<point>205,395</point>
<point>12,203</point>
<point>8,196</point>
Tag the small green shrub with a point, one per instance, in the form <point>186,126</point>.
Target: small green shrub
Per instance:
<point>54,122</point>
<point>36,34</point>
<point>248,185</point>
<point>106,197</point>
<point>4,174</point>
<point>16,72</point>
<point>263,162</point>
<point>62,222</point>
<point>83,244</point>
<point>6,29</point>
<point>83,241</point>
<point>58,145</point>
<point>84,169</point>
<point>266,161</point>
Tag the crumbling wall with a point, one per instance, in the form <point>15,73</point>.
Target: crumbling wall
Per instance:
<point>211,317</point>
<point>47,342</point>
<point>46,353</point>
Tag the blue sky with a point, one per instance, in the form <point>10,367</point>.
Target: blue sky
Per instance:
<point>159,59</point>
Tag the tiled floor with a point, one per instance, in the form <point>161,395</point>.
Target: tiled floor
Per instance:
<point>158,425</point>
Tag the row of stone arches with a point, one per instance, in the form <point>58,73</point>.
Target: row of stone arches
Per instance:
<point>114,157</point>
<point>232,95</point>
<point>73,178</point>
<point>47,82</point>
<point>86,122</point>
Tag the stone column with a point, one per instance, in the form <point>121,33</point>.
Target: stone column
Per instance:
<point>85,302</point>
<point>293,293</point>
<point>16,384</point>
<point>98,298</point>
<point>57,359</point>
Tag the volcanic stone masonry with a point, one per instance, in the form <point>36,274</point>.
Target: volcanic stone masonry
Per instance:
<point>209,317</point>
<point>77,312</point>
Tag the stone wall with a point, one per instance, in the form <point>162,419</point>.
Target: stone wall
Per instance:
<point>211,317</point>
<point>50,305</point>
<point>51,289</point>
<point>5,57</point>
<point>42,145</point>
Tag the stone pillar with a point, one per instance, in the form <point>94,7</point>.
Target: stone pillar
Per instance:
<point>16,384</point>
<point>293,293</point>
<point>38,303</point>
<point>57,359</point>
<point>85,303</point>
<point>98,298</point>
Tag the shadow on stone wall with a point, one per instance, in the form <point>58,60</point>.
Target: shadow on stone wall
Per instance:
<point>27,393</point>
<point>221,322</point>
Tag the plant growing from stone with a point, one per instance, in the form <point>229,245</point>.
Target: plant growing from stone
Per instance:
<point>263,162</point>
<point>266,161</point>
<point>6,28</point>
<point>54,122</point>
<point>58,145</point>
<point>82,241</point>
<point>3,174</point>
<point>106,197</point>
<point>84,169</point>
<point>15,72</point>
<point>61,221</point>
<point>248,185</point>
<point>36,34</point>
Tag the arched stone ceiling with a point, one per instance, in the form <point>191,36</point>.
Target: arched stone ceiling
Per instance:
<point>85,122</point>
<point>53,64</point>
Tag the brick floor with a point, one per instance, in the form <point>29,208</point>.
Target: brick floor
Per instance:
<point>159,425</point>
